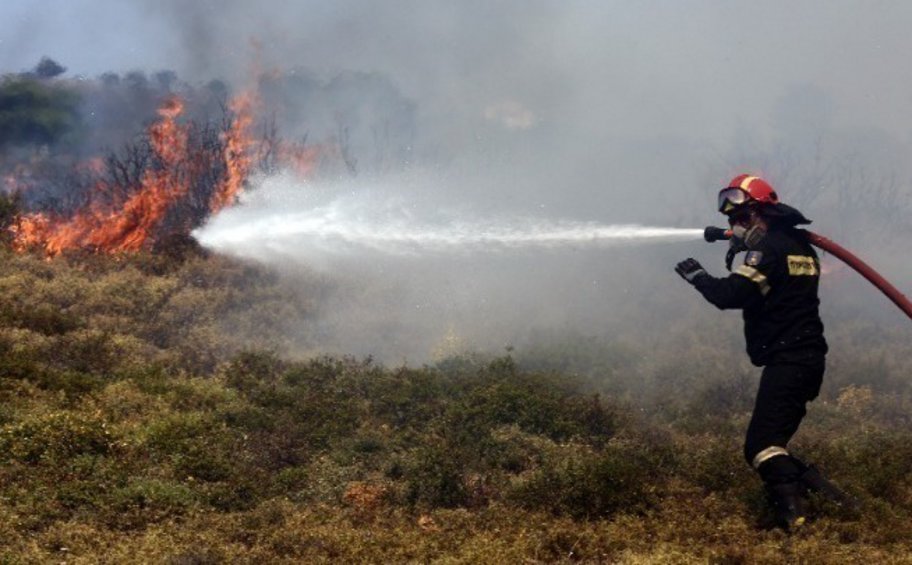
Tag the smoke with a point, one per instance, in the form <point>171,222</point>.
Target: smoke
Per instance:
<point>578,106</point>
<point>500,120</point>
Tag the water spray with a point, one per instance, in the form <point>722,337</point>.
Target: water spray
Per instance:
<point>282,220</point>
<point>712,234</point>
<point>400,239</point>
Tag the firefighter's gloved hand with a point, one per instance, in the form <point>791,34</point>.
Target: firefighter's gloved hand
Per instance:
<point>690,269</point>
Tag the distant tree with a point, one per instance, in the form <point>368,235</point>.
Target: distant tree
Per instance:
<point>166,80</point>
<point>136,80</point>
<point>848,179</point>
<point>48,68</point>
<point>36,112</point>
<point>110,80</point>
<point>218,89</point>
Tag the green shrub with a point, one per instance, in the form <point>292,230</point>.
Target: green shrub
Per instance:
<point>73,383</point>
<point>537,404</point>
<point>574,353</point>
<point>434,477</point>
<point>42,318</point>
<point>249,371</point>
<point>291,480</point>
<point>154,378</point>
<point>55,437</point>
<point>714,463</point>
<point>200,461</point>
<point>405,399</point>
<point>10,209</point>
<point>196,446</point>
<point>143,501</point>
<point>86,480</point>
<point>242,493</point>
<point>880,462</point>
<point>18,364</point>
<point>575,481</point>
<point>37,112</point>
<point>313,401</point>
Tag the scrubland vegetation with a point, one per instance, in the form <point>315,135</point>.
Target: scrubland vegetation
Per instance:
<point>150,412</point>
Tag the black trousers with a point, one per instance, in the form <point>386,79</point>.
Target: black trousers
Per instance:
<point>784,391</point>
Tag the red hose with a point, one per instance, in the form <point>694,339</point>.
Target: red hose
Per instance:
<point>847,257</point>
<point>863,269</point>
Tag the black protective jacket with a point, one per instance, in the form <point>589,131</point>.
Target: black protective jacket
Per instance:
<point>776,287</point>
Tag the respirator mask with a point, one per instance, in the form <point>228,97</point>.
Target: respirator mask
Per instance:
<point>750,237</point>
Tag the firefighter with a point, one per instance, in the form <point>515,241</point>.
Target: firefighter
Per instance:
<point>776,288</point>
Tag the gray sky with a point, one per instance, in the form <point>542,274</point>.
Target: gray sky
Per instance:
<point>648,67</point>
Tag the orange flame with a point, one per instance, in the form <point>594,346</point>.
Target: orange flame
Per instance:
<point>30,232</point>
<point>115,224</point>
<point>238,158</point>
<point>299,158</point>
<point>127,228</point>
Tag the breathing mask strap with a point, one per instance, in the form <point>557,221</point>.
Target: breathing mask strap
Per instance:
<point>754,236</point>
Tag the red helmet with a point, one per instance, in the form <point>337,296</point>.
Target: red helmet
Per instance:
<point>746,190</point>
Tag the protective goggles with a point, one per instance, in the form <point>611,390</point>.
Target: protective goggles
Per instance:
<point>732,198</point>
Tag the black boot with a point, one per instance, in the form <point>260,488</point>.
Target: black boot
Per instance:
<point>815,482</point>
<point>787,500</point>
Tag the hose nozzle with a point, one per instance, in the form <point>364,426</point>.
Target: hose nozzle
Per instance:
<point>712,233</point>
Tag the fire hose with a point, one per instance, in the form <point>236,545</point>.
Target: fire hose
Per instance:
<point>715,234</point>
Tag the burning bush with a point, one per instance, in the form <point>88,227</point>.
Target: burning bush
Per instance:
<point>183,154</point>
<point>167,181</point>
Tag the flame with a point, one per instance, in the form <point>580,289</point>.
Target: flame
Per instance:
<point>30,232</point>
<point>238,156</point>
<point>114,223</point>
<point>127,228</point>
<point>299,158</point>
<point>95,166</point>
<point>242,151</point>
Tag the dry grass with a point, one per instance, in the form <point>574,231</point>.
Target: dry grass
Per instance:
<point>134,428</point>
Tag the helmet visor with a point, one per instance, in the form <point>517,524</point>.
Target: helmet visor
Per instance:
<point>732,198</point>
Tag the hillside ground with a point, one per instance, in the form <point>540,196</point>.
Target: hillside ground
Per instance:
<point>149,413</point>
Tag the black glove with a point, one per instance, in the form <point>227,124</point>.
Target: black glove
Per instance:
<point>690,269</point>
